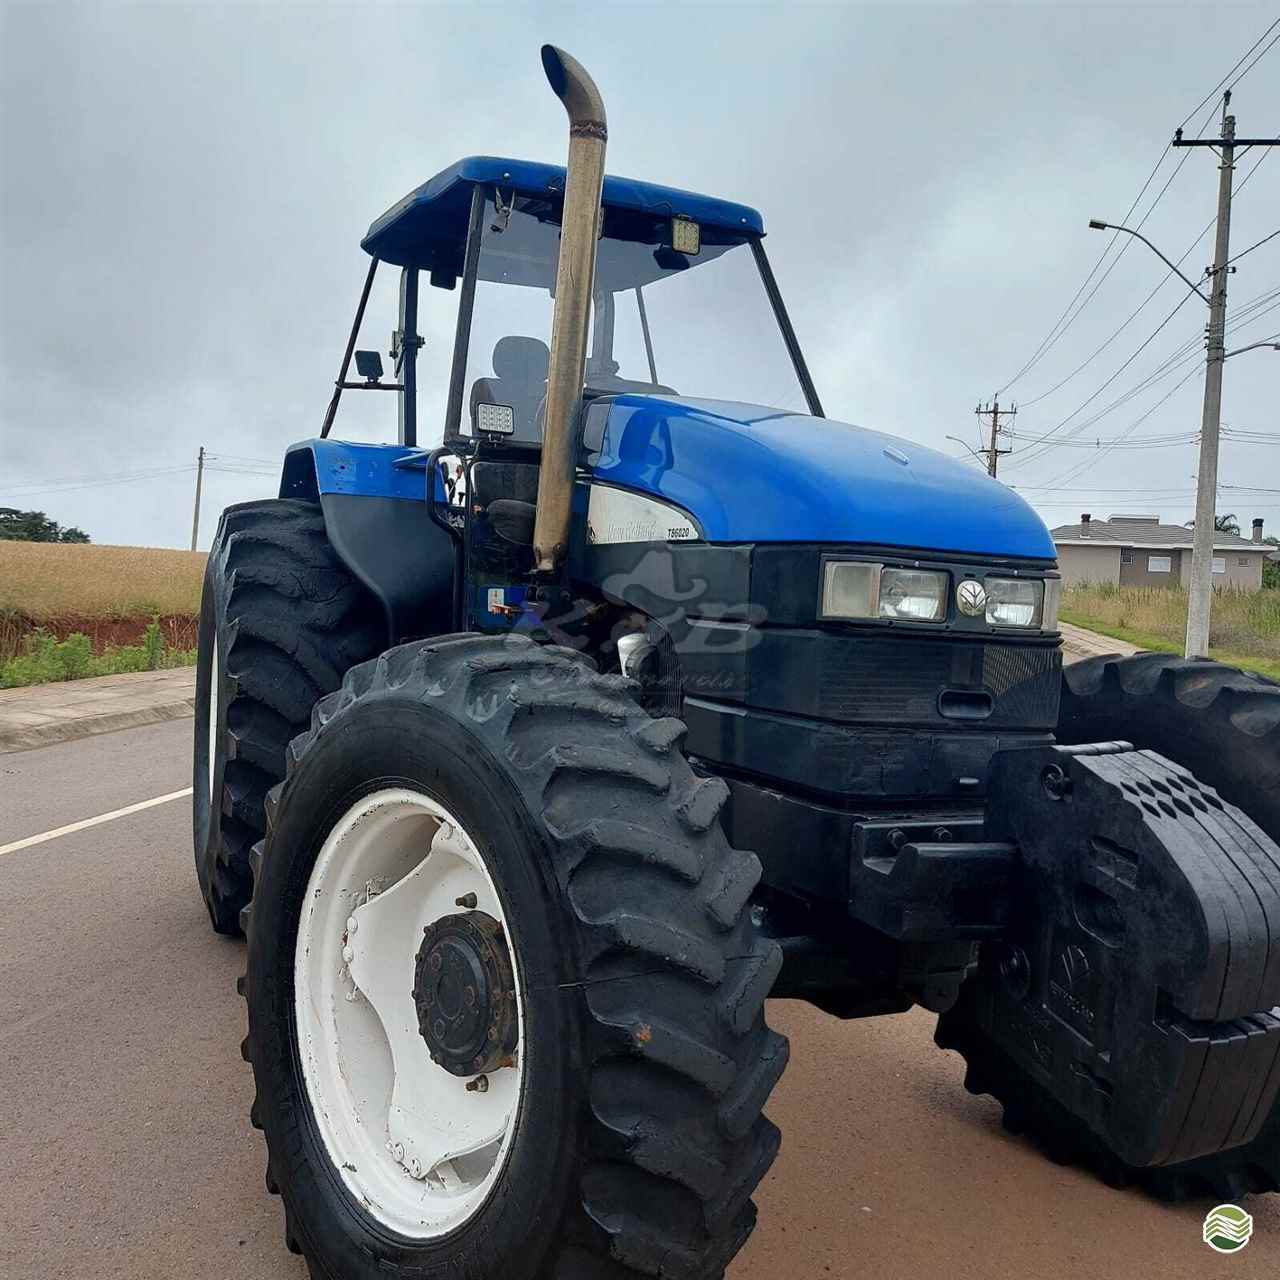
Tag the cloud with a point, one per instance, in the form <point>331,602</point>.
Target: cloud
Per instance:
<point>185,186</point>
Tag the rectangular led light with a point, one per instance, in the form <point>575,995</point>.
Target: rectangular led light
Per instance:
<point>686,236</point>
<point>497,419</point>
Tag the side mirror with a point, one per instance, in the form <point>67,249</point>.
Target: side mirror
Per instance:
<point>369,365</point>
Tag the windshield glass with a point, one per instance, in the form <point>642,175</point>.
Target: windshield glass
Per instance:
<point>697,325</point>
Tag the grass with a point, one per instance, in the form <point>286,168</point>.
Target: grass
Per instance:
<point>48,580</point>
<point>68,611</point>
<point>1244,630</point>
<point>44,658</point>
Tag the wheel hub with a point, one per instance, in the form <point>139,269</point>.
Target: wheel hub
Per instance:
<point>464,992</point>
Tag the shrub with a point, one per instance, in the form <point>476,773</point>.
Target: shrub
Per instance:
<point>44,658</point>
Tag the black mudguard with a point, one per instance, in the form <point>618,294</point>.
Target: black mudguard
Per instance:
<point>401,555</point>
<point>387,539</point>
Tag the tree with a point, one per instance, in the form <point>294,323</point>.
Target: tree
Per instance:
<point>1271,568</point>
<point>1222,524</point>
<point>35,526</point>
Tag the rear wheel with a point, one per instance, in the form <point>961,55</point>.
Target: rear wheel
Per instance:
<point>281,621</point>
<point>505,1000</point>
<point>1224,726</point>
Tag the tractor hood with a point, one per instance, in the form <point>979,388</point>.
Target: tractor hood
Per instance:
<point>751,474</point>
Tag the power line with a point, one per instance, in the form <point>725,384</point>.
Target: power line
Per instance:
<point>90,482</point>
<point>240,458</point>
<point>1235,488</point>
<point>1066,319</point>
<point>1080,468</point>
<point>1213,93</point>
<point>1133,315</point>
<point>1248,313</point>
<point>1260,56</point>
<point>1142,442</point>
<point>1042,448</point>
<point>1252,247</point>
<point>41,488</point>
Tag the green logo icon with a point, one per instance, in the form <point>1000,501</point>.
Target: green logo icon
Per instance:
<point>1227,1228</point>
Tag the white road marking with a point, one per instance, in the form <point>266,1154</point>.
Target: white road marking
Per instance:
<point>93,822</point>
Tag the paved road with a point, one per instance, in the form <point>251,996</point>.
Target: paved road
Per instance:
<point>125,1149</point>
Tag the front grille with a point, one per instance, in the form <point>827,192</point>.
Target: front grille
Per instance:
<point>876,680</point>
<point>1025,683</point>
<point>852,678</point>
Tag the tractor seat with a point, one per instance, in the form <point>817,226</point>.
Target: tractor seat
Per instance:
<point>519,379</point>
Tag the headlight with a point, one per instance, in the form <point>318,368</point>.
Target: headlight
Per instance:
<point>1014,602</point>
<point>851,589</point>
<point>913,595</point>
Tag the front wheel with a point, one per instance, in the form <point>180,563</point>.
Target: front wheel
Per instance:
<point>505,1000</point>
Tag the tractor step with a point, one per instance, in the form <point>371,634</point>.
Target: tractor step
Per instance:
<point>1139,976</point>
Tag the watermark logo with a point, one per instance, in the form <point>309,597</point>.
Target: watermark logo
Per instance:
<point>1227,1228</point>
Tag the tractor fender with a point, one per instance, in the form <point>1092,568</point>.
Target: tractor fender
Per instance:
<point>378,521</point>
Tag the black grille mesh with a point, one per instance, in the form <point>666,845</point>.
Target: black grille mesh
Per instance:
<point>898,680</point>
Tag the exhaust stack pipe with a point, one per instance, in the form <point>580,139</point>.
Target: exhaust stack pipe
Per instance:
<point>575,274</point>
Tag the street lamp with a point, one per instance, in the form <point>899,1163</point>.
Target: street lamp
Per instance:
<point>1253,346</point>
<point>1096,224</point>
<point>1200,581</point>
<point>964,444</point>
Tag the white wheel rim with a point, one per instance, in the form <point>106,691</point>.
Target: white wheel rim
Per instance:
<point>214,680</point>
<point>412,1143</point>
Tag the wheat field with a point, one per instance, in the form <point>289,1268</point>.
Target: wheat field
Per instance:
<point>47,581</point>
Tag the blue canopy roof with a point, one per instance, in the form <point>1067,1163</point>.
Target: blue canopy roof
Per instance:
<point>428,227</point>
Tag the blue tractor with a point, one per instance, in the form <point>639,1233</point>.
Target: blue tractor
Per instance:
<point>486,730</point>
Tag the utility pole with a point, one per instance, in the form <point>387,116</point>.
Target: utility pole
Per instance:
<point>993,453</point>
<point>1200,592</point>
<point>195,519</point>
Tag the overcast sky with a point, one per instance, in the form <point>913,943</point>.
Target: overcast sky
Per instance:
<point>185,187</point>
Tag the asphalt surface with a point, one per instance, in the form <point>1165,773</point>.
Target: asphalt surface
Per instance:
<point>125,1147</point>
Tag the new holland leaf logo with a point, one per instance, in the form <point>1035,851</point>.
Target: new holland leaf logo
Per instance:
<point>1227,1228</point>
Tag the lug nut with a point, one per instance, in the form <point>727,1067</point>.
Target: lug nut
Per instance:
<point>1055,782</point>
<point>352,924</point>
<point>348,954</point>
<point>479,1085</point>
<point>467,901</point>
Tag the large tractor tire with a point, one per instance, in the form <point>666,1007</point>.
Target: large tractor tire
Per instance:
<point>281,622</point>
<point>1220,723</point>
<point>505,999</point>
<point>1223,725</point>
